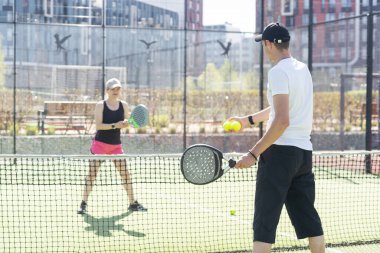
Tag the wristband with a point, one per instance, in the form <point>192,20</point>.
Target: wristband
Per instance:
<point>252,154</point>
<point>250,119</point>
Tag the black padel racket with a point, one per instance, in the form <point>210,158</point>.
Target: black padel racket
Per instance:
<point>202,164</point>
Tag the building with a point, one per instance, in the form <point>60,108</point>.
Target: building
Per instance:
<point>339,46</point>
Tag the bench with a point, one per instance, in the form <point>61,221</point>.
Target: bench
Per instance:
<point>361,114</point>
<point>66,115</point>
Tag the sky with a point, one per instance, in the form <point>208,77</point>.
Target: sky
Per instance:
<point>240,13</point>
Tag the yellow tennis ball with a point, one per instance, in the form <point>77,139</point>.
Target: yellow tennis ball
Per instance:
<point>232,212</point>
<point>236,126</point>
<point>227,126</point>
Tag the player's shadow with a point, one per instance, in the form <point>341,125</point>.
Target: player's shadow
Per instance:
<point>103,226</point>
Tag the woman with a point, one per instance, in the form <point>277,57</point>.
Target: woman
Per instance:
<point>110,115</point>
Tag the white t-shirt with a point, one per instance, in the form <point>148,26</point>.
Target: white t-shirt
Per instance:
<point>293,77</point>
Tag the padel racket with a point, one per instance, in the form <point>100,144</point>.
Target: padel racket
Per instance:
<point>139,116</point>
<point>202,164</point>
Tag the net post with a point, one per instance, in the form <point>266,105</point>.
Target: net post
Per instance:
<point>368,164</point>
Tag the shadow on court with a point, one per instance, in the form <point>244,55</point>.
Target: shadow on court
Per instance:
<point>103,226</point>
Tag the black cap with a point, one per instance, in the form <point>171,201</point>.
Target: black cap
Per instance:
<point>275,33</point>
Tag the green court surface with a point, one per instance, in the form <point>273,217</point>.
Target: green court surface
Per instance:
<point>39,200</point>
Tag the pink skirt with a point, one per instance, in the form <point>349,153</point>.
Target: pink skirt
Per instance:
<point>101,148</point>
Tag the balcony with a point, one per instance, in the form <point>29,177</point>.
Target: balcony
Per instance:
<point>331,9</point>
<point>7,8</point>
<point>346,9</point>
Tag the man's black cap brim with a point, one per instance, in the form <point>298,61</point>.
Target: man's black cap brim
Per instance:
<point>259,38</point>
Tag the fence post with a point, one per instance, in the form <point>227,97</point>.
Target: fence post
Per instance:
<point>368,125</point>
<point>310,37</point>
<point>261,84</point>
<point>342,123</point>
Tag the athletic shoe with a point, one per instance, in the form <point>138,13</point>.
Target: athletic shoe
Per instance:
<point>137,207</point>
<point>82,208</point>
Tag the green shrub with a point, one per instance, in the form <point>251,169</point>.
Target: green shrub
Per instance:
<point>141,130</point>
<point>51,130</point>
<point>31,130</point>
<point>160,121</point>
<point>10,128</point>
<point>172,130</point>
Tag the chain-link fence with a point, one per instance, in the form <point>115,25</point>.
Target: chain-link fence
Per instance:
<point>55,58</point>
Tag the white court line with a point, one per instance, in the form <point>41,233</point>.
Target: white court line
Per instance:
<point>241,221</point>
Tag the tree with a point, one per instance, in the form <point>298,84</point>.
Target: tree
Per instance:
<point>211,78</point>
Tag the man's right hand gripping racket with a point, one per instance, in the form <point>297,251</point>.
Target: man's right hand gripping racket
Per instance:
<point>202,164</point>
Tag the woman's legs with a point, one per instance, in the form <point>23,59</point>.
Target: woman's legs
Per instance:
<point>121,166</point>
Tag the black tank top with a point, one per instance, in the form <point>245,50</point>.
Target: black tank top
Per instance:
<point>111,136</point>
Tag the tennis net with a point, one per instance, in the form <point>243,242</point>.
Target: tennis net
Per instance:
<point>40,196</point>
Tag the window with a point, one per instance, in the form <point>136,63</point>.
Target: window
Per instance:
<point>306,4</point>
<point>332,37</point>
<point>270,5</point>
<point>84,40</point>
<point>332,3</point>
<point>304,38</point>
<point>305,53</point>
<point>364,36</point>
<point>343,53</point>
<point>330,16</point>
<point>363,53</point>
<point>287,7</point>
<point>323,3</point>
<point>48,8</point>
<point>9,16</point>
<point>348,53</point>
<point>342,37</point>
<point>305,19</point>
<point>351,37</point>
<point>346,3</point>
<point>289,21</point>
<point>133,19</point>
<point>9,35</point>
<point>331,53</point>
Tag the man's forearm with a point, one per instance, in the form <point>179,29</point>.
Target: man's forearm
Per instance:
<point>274,132</point>
<point>261,116</point>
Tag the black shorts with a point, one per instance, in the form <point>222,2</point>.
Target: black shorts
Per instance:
<point>285,176</point>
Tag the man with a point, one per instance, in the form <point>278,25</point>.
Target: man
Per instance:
<point>284,173</point>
